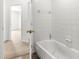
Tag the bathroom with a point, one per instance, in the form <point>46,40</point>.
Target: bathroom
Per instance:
<point>56,29</point>
<point>45,29</point>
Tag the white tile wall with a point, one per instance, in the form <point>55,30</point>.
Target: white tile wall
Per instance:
<point>42,18</point>
<point>66,21</point>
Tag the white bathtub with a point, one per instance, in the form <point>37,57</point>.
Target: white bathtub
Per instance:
<point>52,49</point>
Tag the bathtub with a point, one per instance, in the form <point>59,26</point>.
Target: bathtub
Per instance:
<point>52,49</point>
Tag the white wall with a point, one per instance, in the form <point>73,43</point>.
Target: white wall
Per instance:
<point>66,21</point>
<point>1,30</point>
<point>42,18</point>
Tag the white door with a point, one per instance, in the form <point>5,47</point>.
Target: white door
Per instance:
<point>22,16</point>
<point>21,29</point>
<point>18,20</point>
<point>21,23</point>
